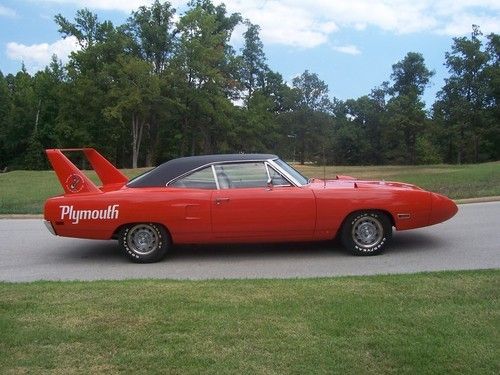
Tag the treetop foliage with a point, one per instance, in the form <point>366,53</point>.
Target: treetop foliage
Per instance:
<point>164,85</point>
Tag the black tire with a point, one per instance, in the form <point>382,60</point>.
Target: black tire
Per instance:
<point>366,232</point>
<point>144,242</point>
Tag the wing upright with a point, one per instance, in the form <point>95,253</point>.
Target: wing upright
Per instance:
<point>74,181</point>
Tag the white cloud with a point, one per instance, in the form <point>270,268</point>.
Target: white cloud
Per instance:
<point>119,5</point>
<point>7,12</point>
<point>237,35</point>
<point>348,49</point>
<point>460,24</point>
<point>309,23</point>
<point>284,24</point>
<point>37,56</point>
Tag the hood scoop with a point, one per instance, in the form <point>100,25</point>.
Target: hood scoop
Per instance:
<point>342,177</point>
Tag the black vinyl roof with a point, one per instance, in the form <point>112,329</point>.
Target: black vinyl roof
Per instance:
<point>174,168</point>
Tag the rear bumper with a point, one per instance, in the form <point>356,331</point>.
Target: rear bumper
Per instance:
<point>49,226</point>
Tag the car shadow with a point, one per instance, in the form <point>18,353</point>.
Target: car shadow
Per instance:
<point>110,252</point>
<point>415,242</point>
<point>248,251</point>
<point>101,251</point>
<point>402,242</point>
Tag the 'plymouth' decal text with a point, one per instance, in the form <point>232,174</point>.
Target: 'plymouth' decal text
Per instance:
<point>68,212</point>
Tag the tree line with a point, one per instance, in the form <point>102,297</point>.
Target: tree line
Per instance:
<point>161,86</point>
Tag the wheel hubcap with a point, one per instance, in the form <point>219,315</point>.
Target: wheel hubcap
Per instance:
<point>143,239</point>
<point>367,232</point>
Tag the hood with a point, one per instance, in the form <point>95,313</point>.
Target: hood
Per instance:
<point>347,181</point>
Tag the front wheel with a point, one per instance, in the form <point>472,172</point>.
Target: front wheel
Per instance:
<point>366,232</point>
<point>144,242</point>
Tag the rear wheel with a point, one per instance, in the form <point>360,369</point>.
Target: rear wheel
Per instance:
<point>144,242</point>
<point>366,232</point>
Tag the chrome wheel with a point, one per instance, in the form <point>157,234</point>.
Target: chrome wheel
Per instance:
<point>144,242</point>
<point>367,232</point>
<point>143,239</point>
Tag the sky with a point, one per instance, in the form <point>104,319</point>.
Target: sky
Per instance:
<point>350,44</point>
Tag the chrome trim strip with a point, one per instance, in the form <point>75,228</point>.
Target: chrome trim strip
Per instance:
<point>269,165</point>
<point>213,164</point>
<point>284,173</point>
<point>266,165</point>
<point>215,177</point>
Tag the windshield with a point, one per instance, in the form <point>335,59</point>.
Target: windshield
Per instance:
<point>292,172</point>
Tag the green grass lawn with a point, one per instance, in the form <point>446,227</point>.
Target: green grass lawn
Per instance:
<point>26,191</point>
<point>434,323</point>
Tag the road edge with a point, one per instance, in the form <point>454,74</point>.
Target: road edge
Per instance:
<point>477,200</point>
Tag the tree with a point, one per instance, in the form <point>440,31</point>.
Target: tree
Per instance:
<point>132,94</point>
<point>47,86</point>
<point>81,120</point>
<point>259,128</point>
<point>405,110</point>
<point>254,65</point>
<point>350,144</point>
<point>34,155</point>
<point>367,113</point>
<point>158,87</point>
<point>410,75</point>
<point>405,123</point>
<point>493,77</point>
<point>206,76</point>
<point>308,123</point>
<point>465,96</point>
<point>152,30</point>
<point>5,109</point>
<point>86,29</point>
<point>152,33</point>
<point>20,122</point>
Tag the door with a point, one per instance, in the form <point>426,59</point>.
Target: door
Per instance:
<point>255,203</point>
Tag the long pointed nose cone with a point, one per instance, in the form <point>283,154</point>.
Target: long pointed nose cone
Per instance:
<point>443,209</point>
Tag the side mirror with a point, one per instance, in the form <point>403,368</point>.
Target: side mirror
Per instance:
<point>269,183</point>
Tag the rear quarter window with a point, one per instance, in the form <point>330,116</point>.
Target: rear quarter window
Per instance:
<point>202,179</point>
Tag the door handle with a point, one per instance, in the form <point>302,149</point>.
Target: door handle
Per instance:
<point>221,200</point>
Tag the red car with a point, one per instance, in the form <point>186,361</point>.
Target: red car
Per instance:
<point>239,198</point>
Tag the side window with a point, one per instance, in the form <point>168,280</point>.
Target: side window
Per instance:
<point>241,175</point>
<point>202,179</point>
<point>276,178</point>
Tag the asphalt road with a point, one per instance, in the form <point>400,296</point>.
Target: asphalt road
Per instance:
<point>471,240</point>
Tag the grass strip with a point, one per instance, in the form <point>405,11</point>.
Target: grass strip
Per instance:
<point>429,323</point>
<point>454,181</point>
<point>24,192</point>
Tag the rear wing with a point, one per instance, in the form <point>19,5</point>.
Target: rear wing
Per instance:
<point>74,181</point>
